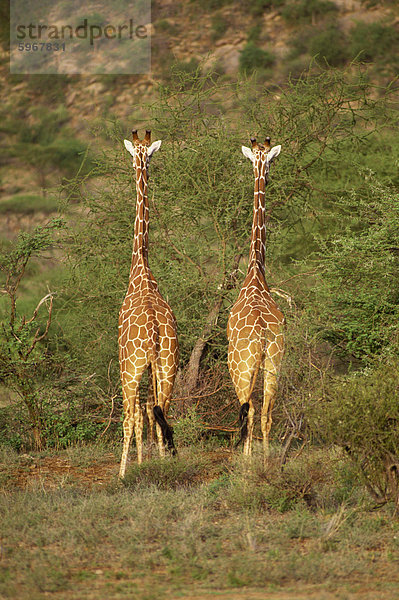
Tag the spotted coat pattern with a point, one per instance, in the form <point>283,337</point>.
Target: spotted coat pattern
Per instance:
<point>255,325</point>
<point>147,326</point>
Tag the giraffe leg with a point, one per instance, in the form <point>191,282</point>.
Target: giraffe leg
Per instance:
<point>149,407</point>
<point>129,408</point>
<point>244,358</point>
<point>271,367</point>
<point>132,412</point>
<point>250,429</point>
<point>138,430</point>
<point>269,392</point>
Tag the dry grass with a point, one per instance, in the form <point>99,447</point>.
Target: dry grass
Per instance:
<point>168,531</point>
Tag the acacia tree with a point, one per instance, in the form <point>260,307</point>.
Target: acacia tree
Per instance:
<point>23,354</point>
<point>201,195</point>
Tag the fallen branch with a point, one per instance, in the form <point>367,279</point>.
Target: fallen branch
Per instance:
<point>110,419</point>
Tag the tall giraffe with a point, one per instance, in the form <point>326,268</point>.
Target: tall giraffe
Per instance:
<point>255,325</point>
<point>147,326</point>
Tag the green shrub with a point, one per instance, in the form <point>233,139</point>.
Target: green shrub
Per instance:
<point>189,430</point>
<point>254,33</point>
<point>329,45</point>
<point>62,421</point>
<point>25,362</point>
<point>253,58</point>
<point>357,293</point>
<point>307,11</point>
<point>168,473</point>
<point>28,204</point>
<point>219,26</point>
<point>181,71</point>
<point>92,19</point>
<point>305,481</point>
<point>164,26</point>
<point>258,7</point>
<point>372,41</point>
<point>51,87</point>
<point>361,414</point>
<point>209,5</point>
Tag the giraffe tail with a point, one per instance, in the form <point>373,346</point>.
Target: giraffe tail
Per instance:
<point>243,420</point>
<point>243,416</point>
<point>167,431</point>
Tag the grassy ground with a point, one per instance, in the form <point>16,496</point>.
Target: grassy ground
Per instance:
<point>207,524</point>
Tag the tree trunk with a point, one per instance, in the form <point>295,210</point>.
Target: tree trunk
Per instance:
<point>38,440</point>
<point>192,372</point>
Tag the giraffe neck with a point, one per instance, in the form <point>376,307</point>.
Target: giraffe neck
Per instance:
<point>258,238</point>
<point>141,223</point>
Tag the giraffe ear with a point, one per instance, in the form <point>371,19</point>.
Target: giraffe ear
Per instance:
<point>129,147</point>
<point>275,151</point>
<point>247,152</point>
<point>154,147</point>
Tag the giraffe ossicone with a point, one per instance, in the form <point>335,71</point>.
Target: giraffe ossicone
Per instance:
<point>147,327</point>
<point>255,327</point>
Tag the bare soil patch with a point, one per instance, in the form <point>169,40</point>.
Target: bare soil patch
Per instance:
<point>51,471</point>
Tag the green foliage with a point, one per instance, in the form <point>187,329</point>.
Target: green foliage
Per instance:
<point>361,414</point>
<point>219,26</point>
<point>164,26</point>
<point>46,144</point>
<point>258,7</point>
<point>305,481</point>
<point>189,68</point>
<point>52,88</point>
<point>254,33</point>
<point>170,473</point>
<point>63,416</point>
<point>4,22</point>
<point>28,204</point>
<point>188,430</point>
<point>67,421</point>
<point>329,45</point>
<point>322,213</point>
<point>92,19</point>
<point>23,358</point>
<point>253,58</point>
<point>357,297</point>
<point>192,197</point>
<point>45,126</point>
<point>373,41</point>
<point>182,70</point>
<point>306,11</point>
<point>208,5</point>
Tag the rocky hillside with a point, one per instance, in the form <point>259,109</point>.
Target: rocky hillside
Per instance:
<point>47,119</point>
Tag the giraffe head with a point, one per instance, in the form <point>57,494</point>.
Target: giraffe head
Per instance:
<point>261,155</point>
<point>142,150</point>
